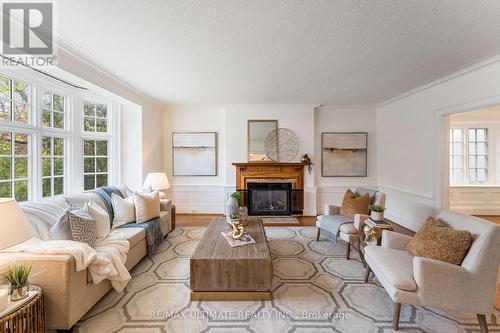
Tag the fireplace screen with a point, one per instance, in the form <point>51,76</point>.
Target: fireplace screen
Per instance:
<point>269,198</point>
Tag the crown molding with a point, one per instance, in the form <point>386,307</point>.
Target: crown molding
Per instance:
<point>89,60</point>
<point>442,80</point>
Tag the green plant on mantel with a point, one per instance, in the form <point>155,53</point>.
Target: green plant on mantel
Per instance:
<point>376,208</point>
<point>18,276</point>
<point>307,161</point>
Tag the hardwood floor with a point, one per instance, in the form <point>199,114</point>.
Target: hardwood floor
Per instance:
<point>197,220</point>
<point>491,218</point>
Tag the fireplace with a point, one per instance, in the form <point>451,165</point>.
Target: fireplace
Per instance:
<point>262,177</point>
<point>269,198</point>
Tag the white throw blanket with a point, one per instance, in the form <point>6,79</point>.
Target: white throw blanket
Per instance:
<point>106,261</point>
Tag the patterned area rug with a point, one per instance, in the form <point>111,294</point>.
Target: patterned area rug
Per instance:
<point>280,220</point>
<point>314,290</point>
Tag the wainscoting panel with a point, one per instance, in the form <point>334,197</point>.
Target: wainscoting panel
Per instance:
<point>198,199</point>
<point>212,199</point>
<point>408,209</point>
<point>475,200</point>
<point>329,195</point>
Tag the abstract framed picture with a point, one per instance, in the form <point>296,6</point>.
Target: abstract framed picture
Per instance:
<point>194,153</point>
<point>344,154</point>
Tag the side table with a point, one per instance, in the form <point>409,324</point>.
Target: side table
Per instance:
<point>371,234</point>
<point>26,315</point>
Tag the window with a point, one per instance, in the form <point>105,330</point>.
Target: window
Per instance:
<point>41,138</point>
<point>468,155</point>
<point>95,117</point>
<point>478,155</point>
<point>456,155</point>
<point>14,165</point>
<point>14,100</point>
<point>52,166</point>
<point>52,110</point>
<point>95,164</point>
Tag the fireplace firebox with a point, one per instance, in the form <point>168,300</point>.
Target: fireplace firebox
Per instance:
<point>269,198</point>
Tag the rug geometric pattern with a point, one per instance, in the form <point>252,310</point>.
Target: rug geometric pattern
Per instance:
<point>315,289</point>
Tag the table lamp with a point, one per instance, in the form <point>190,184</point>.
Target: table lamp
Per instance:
<point>157,181</point>
<point>13,230</point>
<point>13,224</point>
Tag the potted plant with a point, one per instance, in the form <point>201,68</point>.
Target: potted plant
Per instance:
<point>233,203</point>
<point>18,277</point>
<point>307,161</point>
<point>376,212</point>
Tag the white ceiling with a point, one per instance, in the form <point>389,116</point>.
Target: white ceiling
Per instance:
<point>338,52</point>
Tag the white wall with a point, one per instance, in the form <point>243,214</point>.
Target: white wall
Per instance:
<point>208,194</point>
<point>343,119</point>
<point>407,144</point>
<point>131,145</point>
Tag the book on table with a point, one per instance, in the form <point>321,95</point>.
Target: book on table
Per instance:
<point>379,224</point>
<point>246,239</point>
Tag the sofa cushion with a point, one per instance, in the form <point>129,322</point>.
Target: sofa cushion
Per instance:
<point>396,265</point>
<point>147,206</point>
<point>353,204</point>
<point>82,227</point>
<point>124,210</point>
<point>437,240</point>
<point>101,218</point>
<point>348,228</point>
<point>133,235</point>
<point>61,230</point>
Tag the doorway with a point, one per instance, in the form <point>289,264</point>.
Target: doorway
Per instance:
<point>474,163</point>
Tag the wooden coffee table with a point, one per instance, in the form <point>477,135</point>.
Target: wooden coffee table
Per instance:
<point>219,272</point>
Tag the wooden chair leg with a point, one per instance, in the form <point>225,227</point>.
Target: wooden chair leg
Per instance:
<point>367,273</point>
<point>348,251</point>
<point>317,234</point>
<point>395,316</point>
<point>482,323</point>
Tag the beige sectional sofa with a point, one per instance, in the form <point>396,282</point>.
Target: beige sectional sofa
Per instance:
<point>70,294</point>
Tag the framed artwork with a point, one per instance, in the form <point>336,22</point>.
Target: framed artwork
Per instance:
<point>344,154</point>
<point>194,153</point>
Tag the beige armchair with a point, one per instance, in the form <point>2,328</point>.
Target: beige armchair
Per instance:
<point>427,282</point>
<point>345,227</point>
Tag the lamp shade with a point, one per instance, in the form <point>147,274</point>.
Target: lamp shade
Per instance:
<point>13,224</point>
<point>157,181</point>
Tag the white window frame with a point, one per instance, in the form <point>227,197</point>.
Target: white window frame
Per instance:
<point>52,156</point>
<point>72,134</point>
<point>491,167</point>
<point>100,136</point>
<point>475,155</point>
<point>30,103</point>
<point>452,155</point>
<point>12,157</point>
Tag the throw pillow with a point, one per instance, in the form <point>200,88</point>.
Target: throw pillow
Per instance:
<point>437,240</point>
<point>127,192</point>
<point>82,227</point>
<point>101,218</point>
<point>147,206</point>
<point>61,230</point>
<point>124,210</point>
<point>353,204</point>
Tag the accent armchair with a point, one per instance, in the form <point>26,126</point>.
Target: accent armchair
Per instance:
<point>468,288</point>
<point>349,228</point>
